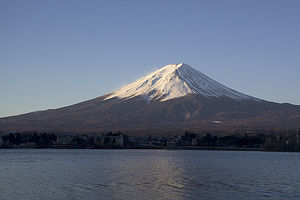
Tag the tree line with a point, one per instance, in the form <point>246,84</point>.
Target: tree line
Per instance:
<point>270,140</point>
<point>275,140</point>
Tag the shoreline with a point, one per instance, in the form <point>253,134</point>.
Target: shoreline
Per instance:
<point>168,148</point>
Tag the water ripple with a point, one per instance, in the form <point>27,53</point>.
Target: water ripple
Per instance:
<point>147,174</point>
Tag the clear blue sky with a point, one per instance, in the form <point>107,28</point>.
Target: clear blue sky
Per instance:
<point>59,52</point>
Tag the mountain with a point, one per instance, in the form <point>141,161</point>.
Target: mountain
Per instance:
<point>173,81</point>
<point>169,101</point>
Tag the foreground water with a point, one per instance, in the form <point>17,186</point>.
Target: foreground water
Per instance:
<point>147,174</point>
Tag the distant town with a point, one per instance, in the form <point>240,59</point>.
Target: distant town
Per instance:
<point>288,140</point>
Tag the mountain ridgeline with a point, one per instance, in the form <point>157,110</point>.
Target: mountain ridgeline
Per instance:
<point>169,101</point>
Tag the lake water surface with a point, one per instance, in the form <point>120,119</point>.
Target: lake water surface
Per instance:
<point>147,174</point>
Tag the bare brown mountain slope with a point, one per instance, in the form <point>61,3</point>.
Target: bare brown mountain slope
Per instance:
<point>137,117</point>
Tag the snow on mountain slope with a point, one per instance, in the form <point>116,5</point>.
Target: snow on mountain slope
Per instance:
<point>176,80</point>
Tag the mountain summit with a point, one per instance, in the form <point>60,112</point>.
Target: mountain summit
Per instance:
<point>169,101</point>
<point>176,80</point>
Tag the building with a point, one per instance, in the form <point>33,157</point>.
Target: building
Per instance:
<point>110,140</point>
<point>65,140</point>
<point>194,142</point>
<point>99,140</point>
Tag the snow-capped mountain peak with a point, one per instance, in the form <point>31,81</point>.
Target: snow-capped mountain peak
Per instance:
<point>173,81</point>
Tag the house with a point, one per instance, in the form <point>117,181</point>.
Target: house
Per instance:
<point>117,140</point>
<point>194,142</point>
<point>171,142</point>
<point>99,140</point>
<point>112,140</point>
<point>64,140</point>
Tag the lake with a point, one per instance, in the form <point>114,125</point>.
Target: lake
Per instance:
<point>147,174</point>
